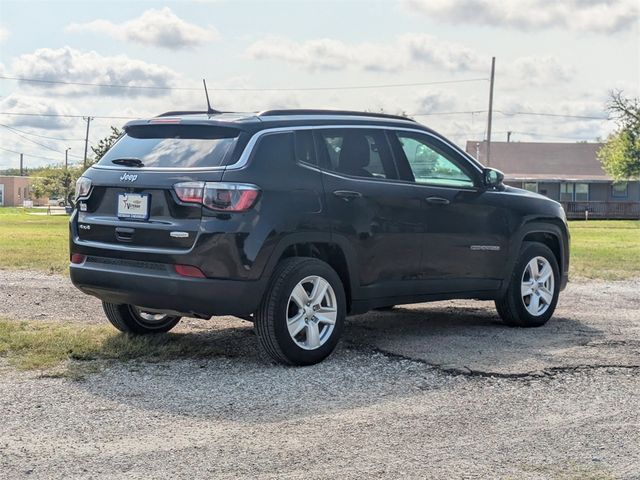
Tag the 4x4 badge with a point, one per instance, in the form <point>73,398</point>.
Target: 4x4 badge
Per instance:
<point>128,177</point>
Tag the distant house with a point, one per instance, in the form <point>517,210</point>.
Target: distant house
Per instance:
<point>569,173</point>
<point>14,191</point>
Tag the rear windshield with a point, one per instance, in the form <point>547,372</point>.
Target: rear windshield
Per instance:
<point>174,146</point>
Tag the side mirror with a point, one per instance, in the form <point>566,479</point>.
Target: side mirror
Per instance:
<point>493,178</point>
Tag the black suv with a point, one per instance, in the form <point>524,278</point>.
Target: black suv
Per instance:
<point>293,219</point>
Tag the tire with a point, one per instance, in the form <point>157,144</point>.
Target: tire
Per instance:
<point>516,309</point>
<point>280,311</point>
<point>129,319</point>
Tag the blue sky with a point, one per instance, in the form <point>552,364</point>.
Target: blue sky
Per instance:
<point>552,57</point>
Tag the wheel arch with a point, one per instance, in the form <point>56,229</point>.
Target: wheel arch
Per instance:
<point>322,246</point>
<point>554,234</point>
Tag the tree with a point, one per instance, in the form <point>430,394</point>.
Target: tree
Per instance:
<point>55,181</point>
<point>106,143</point>
<point>620,155</point>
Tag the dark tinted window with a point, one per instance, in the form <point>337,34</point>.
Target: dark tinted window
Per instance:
<point>275,149</point>
<point>180,146</point>
<point>304,147</point>
<point>357,152</point>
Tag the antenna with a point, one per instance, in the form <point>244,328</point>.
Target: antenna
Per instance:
<point>210,110</point>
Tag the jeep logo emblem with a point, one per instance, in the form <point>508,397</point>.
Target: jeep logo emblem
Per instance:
<point>128,177</point>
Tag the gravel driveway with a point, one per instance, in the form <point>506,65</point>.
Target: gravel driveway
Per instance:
<point>438,390</point>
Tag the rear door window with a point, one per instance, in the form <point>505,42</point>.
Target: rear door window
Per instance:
<point>356,152</point>
<point>175,146</point>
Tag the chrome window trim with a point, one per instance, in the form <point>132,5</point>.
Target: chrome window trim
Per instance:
<point>249,147</point>
<point>246,154</point>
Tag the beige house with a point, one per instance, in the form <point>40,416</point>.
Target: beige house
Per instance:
<point>14,191</point>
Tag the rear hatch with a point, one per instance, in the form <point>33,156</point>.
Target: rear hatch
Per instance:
<point>133,201</point>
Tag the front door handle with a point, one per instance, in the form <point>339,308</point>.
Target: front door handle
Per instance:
<point>437,201</point>
<point>347,195</point>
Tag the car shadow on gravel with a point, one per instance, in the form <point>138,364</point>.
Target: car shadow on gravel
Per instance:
<point>386,356</point>
<point>472,339</point>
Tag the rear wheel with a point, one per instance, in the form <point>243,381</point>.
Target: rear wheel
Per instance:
<point>532,295</point>
<point>302,313</point>
<point>135,320</point>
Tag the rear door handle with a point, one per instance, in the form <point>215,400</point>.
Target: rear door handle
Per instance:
<point>347,195</point>
<point>437,201</point>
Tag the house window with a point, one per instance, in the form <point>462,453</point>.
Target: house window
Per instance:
<point>566,192</point>
<point>619,189</point>
<point>582,192</point>
<point>531,186</point>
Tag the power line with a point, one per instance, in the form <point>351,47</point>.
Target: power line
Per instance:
<point>545,114</point>
<point>12,130</point>
<point>241,89</point>
<point>46,136</point>
<point>65,115</point>
<point>30,155</point>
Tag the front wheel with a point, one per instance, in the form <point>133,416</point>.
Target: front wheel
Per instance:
<point>532,295</point>
<point>135,320</point>
<point>301,316</point>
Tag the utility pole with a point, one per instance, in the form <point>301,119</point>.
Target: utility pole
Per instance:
<point>21,165</point>
<point>509,136</point>
<point>490,116</point>
<point>86,140</point>
<point>66,158</point>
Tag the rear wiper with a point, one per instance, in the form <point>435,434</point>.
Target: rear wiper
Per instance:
<point>129,162</point>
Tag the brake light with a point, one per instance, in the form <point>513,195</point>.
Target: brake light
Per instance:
<point>220,196</point>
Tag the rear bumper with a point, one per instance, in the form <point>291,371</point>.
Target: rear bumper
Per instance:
<point>158,287</point>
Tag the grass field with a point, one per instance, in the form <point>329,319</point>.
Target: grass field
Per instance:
<point>38,242</point>
<point>44,345</point>
<point>606,249</point>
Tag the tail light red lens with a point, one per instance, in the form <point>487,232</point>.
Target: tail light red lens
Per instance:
<point>230,197</point>
<point>190,192</point>
<point>220,196</point>
<point>189,271</point>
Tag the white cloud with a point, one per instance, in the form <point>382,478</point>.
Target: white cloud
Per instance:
<point>160,28</point>
<point>601,16</point>
<point>91,67</point>
<point>4,34</point>
<point>410,50</point>
<point>537,71</point>
<point>17,103</point>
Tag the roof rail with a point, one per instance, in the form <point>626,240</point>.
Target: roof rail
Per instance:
<point>273,113</point>
<point>180,112</point>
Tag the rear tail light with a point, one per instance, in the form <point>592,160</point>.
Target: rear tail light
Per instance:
<point>189,271</point>
<point>190,192</point>
<point>83,187</point>
<point>224,197</point>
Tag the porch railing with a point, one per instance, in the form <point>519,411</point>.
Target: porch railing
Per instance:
<point>611,210</point>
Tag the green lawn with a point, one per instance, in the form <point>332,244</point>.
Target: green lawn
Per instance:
<point>38,242</point>
<point>607,249</point>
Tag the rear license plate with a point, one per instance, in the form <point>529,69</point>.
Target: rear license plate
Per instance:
<point>133,206</point>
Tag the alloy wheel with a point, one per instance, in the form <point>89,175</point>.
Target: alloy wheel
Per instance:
<point>537,286</point>
<point>311,312</point>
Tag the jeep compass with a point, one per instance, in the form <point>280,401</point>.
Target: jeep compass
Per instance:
<point>294,219</point>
